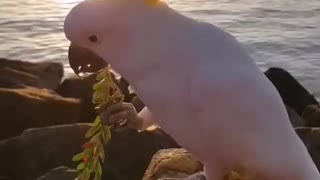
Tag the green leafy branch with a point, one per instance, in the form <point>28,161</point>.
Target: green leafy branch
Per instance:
<point>106,92</point>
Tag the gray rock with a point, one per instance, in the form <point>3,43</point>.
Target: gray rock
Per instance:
<point>311,115</point>
<point>39,150</point>
<point>291,91</point>
<point>30,107</point>
<point>15,74</point>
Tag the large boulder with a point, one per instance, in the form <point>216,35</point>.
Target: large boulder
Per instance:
<point>15,74</point>
<point>80,88</point>
<point>30,107</point>
<point>292,92</point>
<point>311,115</point>
<point>129,152</point>
<point>38,151</point>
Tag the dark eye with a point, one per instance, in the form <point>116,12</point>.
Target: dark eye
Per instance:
<point>93,38</point>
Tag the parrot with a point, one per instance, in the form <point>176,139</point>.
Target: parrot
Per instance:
<point>198,83</point>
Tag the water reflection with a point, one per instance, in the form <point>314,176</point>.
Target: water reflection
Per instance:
<point>68,4</point>
<point>277,33</point>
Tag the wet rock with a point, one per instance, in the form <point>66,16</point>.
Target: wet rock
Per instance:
<point>172,163</point>
<point>75,87</point>
<point>311,139</point>
<point>129,152</point>
<point>15,74</point>
<point>39,150</point>
<point>10,78</point>
<point>60,173</point>
<point>25,108</point>
<point>295,119</point>
<point>292,92</point>
<point>311,115</point>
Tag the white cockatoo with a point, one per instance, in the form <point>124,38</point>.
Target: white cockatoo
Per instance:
<point>199,84</point>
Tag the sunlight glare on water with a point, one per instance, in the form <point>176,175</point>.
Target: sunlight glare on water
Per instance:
<point>282,33</point>
<point>67,3</point>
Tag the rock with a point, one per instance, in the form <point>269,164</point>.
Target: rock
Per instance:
<point>172,163</point>
<point>178,164</point>
<point>60,173</point>
<point>311,139</point>
<point>311,115</point>
<point>295,119</point>
<point>129,152</point>
<point>292,92</point>
<point>81,88</point>
<point>25,108</point>
<point>82,60</point>
<point>15,74</point>
<point>10,78</point>
<point>39,150</point>
<point>75,87</point>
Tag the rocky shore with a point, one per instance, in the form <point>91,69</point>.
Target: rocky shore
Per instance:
<point>44,119</point>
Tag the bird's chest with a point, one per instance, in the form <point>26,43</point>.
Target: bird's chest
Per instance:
<point>166,95</point>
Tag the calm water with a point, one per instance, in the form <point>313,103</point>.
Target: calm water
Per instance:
<point>283,33</point>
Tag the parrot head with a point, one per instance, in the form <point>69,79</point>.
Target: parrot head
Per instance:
<point>108,27</point>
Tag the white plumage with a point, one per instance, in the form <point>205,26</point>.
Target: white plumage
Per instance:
<point>200,84</point>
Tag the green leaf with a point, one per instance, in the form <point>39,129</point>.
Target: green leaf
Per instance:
<point>78,157</point>
<point>102,74</point>
<point>96,137</point>
<point>98,99</point>
<point>92,131</point>
<point>97,121</point>
<point>88,152</point>
<point>80,166</point>
<point>95,86</point>
<point>80,176</point>
<point>86,174</point>
<point>98,133</point>
<point>97,177</point>
<point>91,164</point>
<point>99,169</point>
<point>101,153</point>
